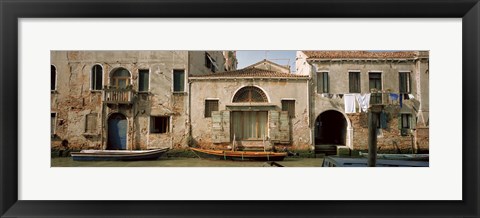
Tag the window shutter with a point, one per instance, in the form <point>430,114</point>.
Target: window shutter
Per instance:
<point>284,127</point>
<point>400,121</point>
<point>319,82</point>
<point>220,126</point>
<point>274,119</point>
<point>413,121</point>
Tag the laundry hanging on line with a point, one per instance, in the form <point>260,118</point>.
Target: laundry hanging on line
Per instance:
<point>393,96</point>
<point>363,101</point>
<point>349,100</point>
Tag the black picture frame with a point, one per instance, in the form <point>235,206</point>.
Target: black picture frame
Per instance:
<point>11,11</point>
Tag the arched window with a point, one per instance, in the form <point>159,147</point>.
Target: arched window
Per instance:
<point>96,77</point>
<point>53,78</point>
<point>250,94</point>
<point>120,78</point>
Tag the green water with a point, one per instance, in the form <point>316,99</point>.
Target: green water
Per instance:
<point>183,162</point>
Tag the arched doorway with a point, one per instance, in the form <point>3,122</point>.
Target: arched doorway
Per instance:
<point>249,123</point>
<point>117,132</point>
<point>330,128</point>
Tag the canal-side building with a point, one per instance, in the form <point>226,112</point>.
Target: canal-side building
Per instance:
<point>125,99</point>
<point>398,81</point>
<point>151,99</point>
<point>253,107</point>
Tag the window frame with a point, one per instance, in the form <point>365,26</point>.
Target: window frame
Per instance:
<point>321,82</point>
<point>173,80</point>
<point>114,79</point>
<point>205,107</point>
<point>152,123</point>
<point>86,124</point>
<point>148,84</point>
<point>377,95</point>
<point>209,63</point>
<point>359,83</point>
<point>291,114</point>
<point>408,82</point>
<point>56,78</point>
<point>91,78</point>
<point>54,132</point>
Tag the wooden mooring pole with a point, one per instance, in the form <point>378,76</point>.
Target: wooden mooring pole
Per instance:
<point>372,134</point>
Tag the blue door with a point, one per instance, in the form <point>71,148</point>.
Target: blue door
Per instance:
<point>117,132</point>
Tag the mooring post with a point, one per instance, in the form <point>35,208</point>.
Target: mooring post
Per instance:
<point>372,134</point>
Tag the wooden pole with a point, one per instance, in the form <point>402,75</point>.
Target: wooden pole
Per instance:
<point>372,138</point>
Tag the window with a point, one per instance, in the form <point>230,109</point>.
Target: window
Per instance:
<point>250,94</point>
<point>210,105</point>
<point>178,80</point>
<point>96,77</point>
<point>210,62</point>
<point>289,105</point>
<point>322,82</point>
<point>405,120</point>
<point>91,123</point>
<point>120,79</point>
<point>375,82</point>
<point>404,80</point>
<point>159,124</point>
<point>53,123</point>
<point>53,78</point>
<point>143,80</point>
<point>354,82</point>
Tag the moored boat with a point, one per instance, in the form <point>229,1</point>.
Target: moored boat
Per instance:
<point>240,155</point>
<point>118,155</point>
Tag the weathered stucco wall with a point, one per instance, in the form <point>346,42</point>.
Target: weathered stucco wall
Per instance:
<point>357,131</point>
<point>74,99</point>
<point>225,89</point>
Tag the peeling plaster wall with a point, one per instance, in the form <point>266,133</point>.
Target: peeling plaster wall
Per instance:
<point>73,99</point>
<point>225,89</point>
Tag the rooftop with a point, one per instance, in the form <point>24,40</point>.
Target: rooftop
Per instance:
<point>252,72</point>
<point>360,54</point>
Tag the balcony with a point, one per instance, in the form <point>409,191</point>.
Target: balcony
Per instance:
<point>381,97</point>
<point>117,96</point>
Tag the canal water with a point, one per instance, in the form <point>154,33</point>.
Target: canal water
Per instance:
<point>184,162</point>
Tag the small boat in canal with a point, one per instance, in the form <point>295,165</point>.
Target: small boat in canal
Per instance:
<point>240,155</point>
<point>118,155</point>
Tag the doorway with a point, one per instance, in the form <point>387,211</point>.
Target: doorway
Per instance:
<point>117,132</point>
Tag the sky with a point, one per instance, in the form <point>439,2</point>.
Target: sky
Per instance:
<point>246,58</point>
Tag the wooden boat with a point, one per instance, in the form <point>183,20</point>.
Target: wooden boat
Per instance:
<point>118,155</point>
<point>240,155</point>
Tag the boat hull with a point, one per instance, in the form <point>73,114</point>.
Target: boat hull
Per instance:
<point>99,155</point>
<point>239,155</point>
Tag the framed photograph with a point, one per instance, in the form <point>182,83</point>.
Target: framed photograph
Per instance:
<point>143,95</point>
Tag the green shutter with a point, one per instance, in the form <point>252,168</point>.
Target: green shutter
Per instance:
<point>400,121</point>
<point>143,81</point>
<point>413,121</point>
<point>178,80</point>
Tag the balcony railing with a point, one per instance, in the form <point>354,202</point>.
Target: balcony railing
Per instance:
<point>117,96</point>
<point>378,97</point>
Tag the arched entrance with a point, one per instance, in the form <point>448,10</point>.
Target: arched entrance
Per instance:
<point>117,132</point>
<point>330,128</point>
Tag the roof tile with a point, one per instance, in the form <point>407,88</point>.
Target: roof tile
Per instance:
<point>360,54</point>
<point>252,72</point>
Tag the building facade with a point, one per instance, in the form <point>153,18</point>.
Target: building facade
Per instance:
<point>398,81</point>
<point>151,99</point>
<point>124,99</point>
<point>253,107</point>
